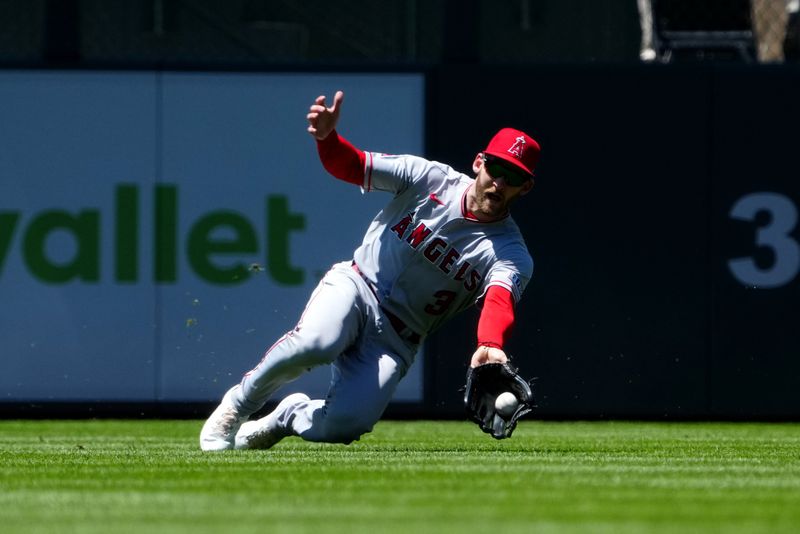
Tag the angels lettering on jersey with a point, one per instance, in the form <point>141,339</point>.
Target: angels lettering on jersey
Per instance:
<point>436,250</point>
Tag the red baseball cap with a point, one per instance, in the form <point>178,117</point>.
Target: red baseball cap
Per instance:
<point>515,147</point>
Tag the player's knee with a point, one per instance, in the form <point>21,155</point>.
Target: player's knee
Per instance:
<point>344,428</point>
<point>318,347</point>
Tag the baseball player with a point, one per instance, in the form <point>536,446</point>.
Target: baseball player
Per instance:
<point>444,242</point>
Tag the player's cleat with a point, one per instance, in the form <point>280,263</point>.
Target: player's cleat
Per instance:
<point>219,431</point>
<point>264,433</point>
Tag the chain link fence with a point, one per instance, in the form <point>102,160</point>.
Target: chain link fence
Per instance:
<point>749,30</point>
<point>251,32</point>
<point>21,30</point>
<point>309,33</point>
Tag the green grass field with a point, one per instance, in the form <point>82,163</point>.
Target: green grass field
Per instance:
<point>417,477</point>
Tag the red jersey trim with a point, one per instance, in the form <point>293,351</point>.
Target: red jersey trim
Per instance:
<point>500,283</point>
<point>368,172</point>
<point>464,213</point>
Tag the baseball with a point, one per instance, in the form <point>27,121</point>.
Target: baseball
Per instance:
<point>506,404</point>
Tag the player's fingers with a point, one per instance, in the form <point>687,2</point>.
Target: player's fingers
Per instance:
<point>312,116</point>
<point>338,98</point>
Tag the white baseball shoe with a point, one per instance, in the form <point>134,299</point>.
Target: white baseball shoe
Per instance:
<point>219,431</point>
<point>264,433</point>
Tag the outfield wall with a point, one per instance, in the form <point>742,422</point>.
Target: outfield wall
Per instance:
<point>159,230</point>
<point>664,232</point>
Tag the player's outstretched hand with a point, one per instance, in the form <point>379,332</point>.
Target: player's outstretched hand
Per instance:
<point>322,119</point>
<point>488,355</point>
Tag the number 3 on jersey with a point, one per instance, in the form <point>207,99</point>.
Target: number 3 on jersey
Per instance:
<point>443,301</point>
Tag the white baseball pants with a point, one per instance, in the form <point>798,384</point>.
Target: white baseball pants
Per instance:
<point>342,325</point>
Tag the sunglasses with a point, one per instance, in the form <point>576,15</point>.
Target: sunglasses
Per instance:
<point>498,170</point>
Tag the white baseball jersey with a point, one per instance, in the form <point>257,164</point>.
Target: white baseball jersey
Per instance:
<point>427,259</point>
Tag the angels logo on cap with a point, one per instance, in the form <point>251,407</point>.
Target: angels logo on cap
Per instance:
<point>515,147</point>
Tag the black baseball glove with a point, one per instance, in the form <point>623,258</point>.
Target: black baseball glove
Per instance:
<point>484,384</point>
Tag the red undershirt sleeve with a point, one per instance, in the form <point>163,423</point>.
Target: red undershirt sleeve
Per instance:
<point>342,159</point>
<point>497,317</point>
